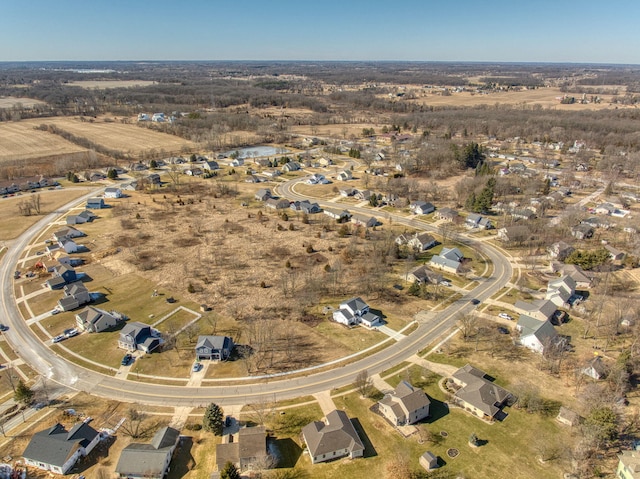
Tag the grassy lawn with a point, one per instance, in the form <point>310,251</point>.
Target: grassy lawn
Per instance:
<point>59,322</point>
<point>99,347</point>
<point>8,352</point>
<point>167,364</point>
<point>176,321</point>
<point>85,364</point>
<point>353,339</point>
<point>226,369</point>
<point>196,458</point>
<point>13,225</point>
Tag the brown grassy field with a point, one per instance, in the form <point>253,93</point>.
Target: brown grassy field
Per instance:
<point>117,136</point>
<point>12,224</point>
<point>104,84</point>
<point>11,101</point>
<point>21,141</point>
<point>545,97</point>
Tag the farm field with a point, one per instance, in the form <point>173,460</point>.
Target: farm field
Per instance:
<point>117,136</point>
<point>11,101</point>
<point>21,141</point>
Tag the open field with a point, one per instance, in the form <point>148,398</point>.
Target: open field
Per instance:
<point>21,141</point>
<point>104,84</point>
<point>11,101</point>
<point>117,136</point>
<point>12,224</point>
<point>545,97</point>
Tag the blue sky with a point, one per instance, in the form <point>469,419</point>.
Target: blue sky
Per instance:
<point>463,30</point>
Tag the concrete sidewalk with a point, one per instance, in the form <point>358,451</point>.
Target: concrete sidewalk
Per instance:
<point>325,401</point>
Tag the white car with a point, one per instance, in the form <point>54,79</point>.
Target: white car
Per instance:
<point>58,338</point>
<point>505,316</point>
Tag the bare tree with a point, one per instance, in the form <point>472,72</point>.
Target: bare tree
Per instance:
<point>363,383</point>
<point>467,324</point>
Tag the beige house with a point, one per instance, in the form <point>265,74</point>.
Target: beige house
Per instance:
<point>405,405</point>
<point>476,393</point>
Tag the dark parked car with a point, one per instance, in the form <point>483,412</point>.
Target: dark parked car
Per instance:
<point>503,330</point>
<point>126,359</point>
<point>475,301</point>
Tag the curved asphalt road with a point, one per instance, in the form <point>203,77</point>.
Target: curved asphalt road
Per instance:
<point>52,366</point>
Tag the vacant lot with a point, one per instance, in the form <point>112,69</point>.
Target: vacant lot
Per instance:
<point>21,141</point>
<point>122,137</point>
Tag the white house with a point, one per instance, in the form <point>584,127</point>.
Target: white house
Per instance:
<point>344,175</point>
<point>237,162</point>
<point>449,259</point>
<point>422,207</point>
<point>57,450</point>
<point>113,193</point>
<point>355,311</point>
<point>536,335</point>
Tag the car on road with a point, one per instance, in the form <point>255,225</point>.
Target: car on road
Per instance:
<point>58,338</point>
<point>475,301</point>
<point>196,367</point>
<point>503,330</point>
<point>127,358</point>
<point>70,333</point>
<point>505,316</point>
<point>54,311</point>
<point>3,327</point>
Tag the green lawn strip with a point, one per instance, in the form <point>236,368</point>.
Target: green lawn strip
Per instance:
<point>8,351</point>
<point>394,369</point>
<point>161,381</point>
<point>99,347</point>
<point>24,312</point>
<point>80,362</point>
<point>226,369</point>
<point>57,323</point>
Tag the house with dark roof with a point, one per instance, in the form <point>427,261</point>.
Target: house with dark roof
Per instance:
<point>85,216</point>
<point>139,336</point>
<point>277,203</point>
<point>366,221</point>
<point>582,231</point>
<point>57,450</point>
<point>263,194</point>
<point>422,242</point>
<point>67,232</point>
<point>424,274</point>
<point>536,334</point>
<point>595,369</point>
<point>214,348</point>
<point>332,439</point>
<point>75,295</point>
<point>246,450</point>
<point>422,207</point>
<point>478,394</point>
<point>62,274</point>
<point>95,203</point>
<point>475,221</point>
<point>355,311</point>
<point>447,214</point>
<point>95,320</point>
<point>404,405</point>
<point>306,207</point>
<point>149,461</point>
<point>561,291</point>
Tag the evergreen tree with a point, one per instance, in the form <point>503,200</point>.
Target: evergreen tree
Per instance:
<point>229,471</point>
<point>213,419</point>
<point>485,199</point>
<point>23,393</point>
<point>373,200</point>
<point>470,204</point>
<point>547,187</point>
<point>112,174</point>
<point>414,289</point>
<point>471,155</point>
<point>153,164</point>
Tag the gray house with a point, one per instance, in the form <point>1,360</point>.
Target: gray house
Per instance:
<point>75,295</point>
<point>332,439</point>
<point>149,461</point>
<point>84,217</point>
<point>139,336</point>
<point>57,450</point>
<point>95,203</point>
<point>62,274</point>
<point>214,347</point>
<point>405,405</point>
<point>96,320</point>
<point>244,449</point>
